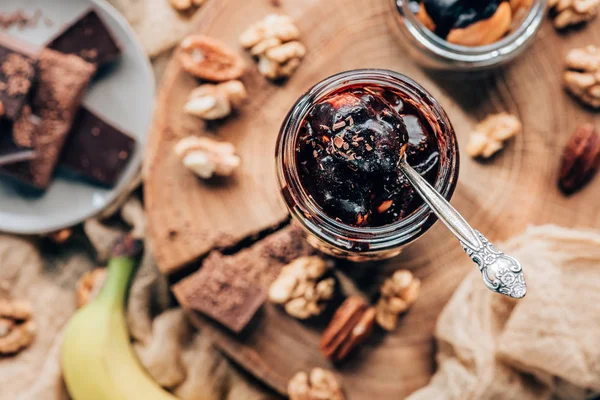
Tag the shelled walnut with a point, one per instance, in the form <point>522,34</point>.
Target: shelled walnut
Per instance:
<point>274,42</point>
<point>320,384</point>
<point>582,77</point>
<point>89,285</point>
<point>303,288</point>
<point>17,328</point>
<point>398,293</point>
<point>216,101</point>
<point>185,5</point>
<point>207,157</point>
<point>572,12</point>
<point>489,134</point>
<point>210,59</point>
<point>351,325</point>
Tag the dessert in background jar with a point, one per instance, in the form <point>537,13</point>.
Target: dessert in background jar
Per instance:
<point>468,34</point>
<point>471,22</point>
<point>337,157</point>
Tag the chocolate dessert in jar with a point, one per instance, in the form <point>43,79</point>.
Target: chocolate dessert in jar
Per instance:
<point>337,161</point>
<point>468,34</point>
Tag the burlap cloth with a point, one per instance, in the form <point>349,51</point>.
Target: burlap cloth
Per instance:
<point>489,348</point>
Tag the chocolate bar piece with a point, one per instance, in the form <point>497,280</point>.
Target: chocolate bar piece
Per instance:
<point>96,149</point>
<point>12,137</point>
<point>89,38</point>
<point>230,288</point>
<point>62,81</point>
<point>17,74</point>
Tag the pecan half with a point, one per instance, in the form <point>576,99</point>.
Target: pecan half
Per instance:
<point>580,160</point>
<point>210,59</point>
<point>351,325</point>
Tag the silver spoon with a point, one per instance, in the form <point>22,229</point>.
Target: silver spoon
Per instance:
<point>501,273</point>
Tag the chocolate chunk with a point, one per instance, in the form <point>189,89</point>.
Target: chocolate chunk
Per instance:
<point>96,149</point>
<point>61,84</point>
<point>89,38</point>
<point>231,288</point>
<point>18,66</point>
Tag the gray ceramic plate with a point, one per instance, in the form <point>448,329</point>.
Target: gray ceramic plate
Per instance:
<point>123,95</point>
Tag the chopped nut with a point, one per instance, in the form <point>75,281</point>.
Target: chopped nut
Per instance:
<point>276,26</point>
<point>215,101</point>
<point>489,134</point>
<point>582,77</point>
<point>580,160</point>
<point>302,288</point>
<point>398,293</point>
<point>181,5</point>
<point>15,309</point>
<point>425,18</point>
<point>207,157</point>
<point>572,12</point>
<point>210,59</point>
<point>273,41</point>
<point>350,326</point>
<point>61,237</point>
<point>321,384</point>
<point>89,286</point>
<point>483,32</point>
<point>17,329</point>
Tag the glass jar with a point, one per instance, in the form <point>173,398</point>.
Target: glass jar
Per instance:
<point>330,235</point>
<point>431,51</point>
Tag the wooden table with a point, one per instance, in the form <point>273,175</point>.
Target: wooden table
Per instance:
<point>188,218</point>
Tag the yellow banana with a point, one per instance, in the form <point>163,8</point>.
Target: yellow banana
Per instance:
<point>97,359</point>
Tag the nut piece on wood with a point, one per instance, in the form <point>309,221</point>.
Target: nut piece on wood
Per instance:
<point>483,32</point>
<point>572,12</point>
<point>207,157</point>
<point>215,101</point>
<point>303,288</point>
<point>351,325</point>
<point>321,384</point>
<point>210,59</point>
<point>273,42</point>
<point>398,293</point>
<point>489,134</point>
<point>89,286</point>
<point>17,329</point>
<point>582,77</point>
<point>580,160</point>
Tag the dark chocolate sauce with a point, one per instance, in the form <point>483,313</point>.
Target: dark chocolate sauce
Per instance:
<point>348,151</point>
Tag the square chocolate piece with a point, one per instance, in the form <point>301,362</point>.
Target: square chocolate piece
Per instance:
<point>62,81</point>
<point>225,296</point>
<point>96,149</point>
<point>89,38</point>
<point>18,66</point>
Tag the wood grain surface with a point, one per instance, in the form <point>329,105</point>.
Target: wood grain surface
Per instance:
<point>500,197</point>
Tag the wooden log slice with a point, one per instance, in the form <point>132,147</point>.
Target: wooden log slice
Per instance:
<point>188,217</point>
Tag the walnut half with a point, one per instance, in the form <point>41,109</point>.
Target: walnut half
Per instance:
<point>320,384</point>
<point>215,101</point>
<point>398,293</point>
<point>17,328</point>
<point>207,157</point>
<point>488,136</point>
<point>582,77</point>
<point>572,12</point>
<point>303,288</point>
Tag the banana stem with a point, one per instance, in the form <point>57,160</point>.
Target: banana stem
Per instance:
<point>121,268</point>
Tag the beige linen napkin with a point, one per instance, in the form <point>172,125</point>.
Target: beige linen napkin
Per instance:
<point>542,347</point>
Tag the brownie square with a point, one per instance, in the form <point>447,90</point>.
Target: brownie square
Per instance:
<point>96,149</point>
<point>62,81</point>
<point>18,66</point>
<point>89,38</point>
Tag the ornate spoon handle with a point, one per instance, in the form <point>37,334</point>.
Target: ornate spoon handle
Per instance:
<point>501,273</point>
